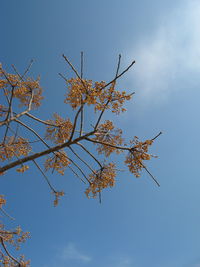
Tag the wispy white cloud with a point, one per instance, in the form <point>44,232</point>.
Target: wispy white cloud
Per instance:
<point>171,54</point>
<point>70,252</point>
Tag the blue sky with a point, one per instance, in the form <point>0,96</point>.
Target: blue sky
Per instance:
<point>137,224</point>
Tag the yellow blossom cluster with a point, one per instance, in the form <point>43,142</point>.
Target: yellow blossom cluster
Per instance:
<point>97,94</point>
<point>80,91</point>
<point>112,99</point>
<point>21,88</point>
<point>23,168</point>
<point>3,110</point>
<point>59,161</point>
<point>2,201</point>
<point>137,154</point>
<point>8,262</point>
<point>14,146</point>
<point>14,238</point>
<point>107,133</point>
<point>101,179</point>
<point>60,129</point>
<point>57,195</point>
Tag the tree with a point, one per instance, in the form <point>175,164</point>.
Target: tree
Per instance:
<point>22,95</point>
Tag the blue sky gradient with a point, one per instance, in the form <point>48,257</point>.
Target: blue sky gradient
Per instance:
<point>137,224</point>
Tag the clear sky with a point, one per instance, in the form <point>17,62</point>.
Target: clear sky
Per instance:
<point>137,224</point>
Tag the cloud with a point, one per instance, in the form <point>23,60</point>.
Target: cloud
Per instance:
<point>70,252</point>
<point>170,55</point>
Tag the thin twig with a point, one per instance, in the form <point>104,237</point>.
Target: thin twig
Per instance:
<point>109,100</point>
<point>72,67</point>
<point>86,150</point>
<point>28,68</point>
<point>19,114</point>
<point>33,131</point>
<point>118,65</point>
<point>81,159</point>
<point>82,110</point>
<point>79,168</point>
<point>7,252</point>
<point>154,179</point>
<point>81,64</point>
<point>101,114</point>
<point>5,213</point>
<point>107,144</point>
<point>62,76</point>
<point>41,121</point>
<point>119,75</point>
<point>46,178</point>
<point>74,172</point>
<point>156,136</point>
<point>75,121</point>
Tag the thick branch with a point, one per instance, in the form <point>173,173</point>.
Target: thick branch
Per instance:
<point>44,152</point>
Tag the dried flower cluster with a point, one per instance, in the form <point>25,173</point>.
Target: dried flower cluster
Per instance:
<point>59,161</point>
<point>97,94</point>
<point>109,138</point>
<point>12,238</point>
<point>59,130</point>
<point>14,147</point>
<point>136,155</point>
<point>101,179</point>
<point>23,89</point>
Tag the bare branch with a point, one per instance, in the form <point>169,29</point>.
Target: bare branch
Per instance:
<point>19,114</point>
<point>76,174</point>
<point>82,64</point>
<point>154,179</point>
<point>156,136</point>
<point>7,252</point>
<point>107,144</point>
<point>82,110</point>
<point>86,150</point>
<point>46,178</point>
<point>79,168</point>
<point>119,75</point>
<point>81,159</point>
<point>118,65</point>
<point>5,213</point>
<point>33,131</point>
<point>62,76</point>
<point>39,120</point>
<point>75,121</point>
<point>25,72</point>
<point>72,67</point>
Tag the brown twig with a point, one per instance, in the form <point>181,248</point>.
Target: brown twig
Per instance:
<point>81,159</point>
<point>86,150</point>
<point>107,144</point>
<point>7,252</point>
<point>46,178</point>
